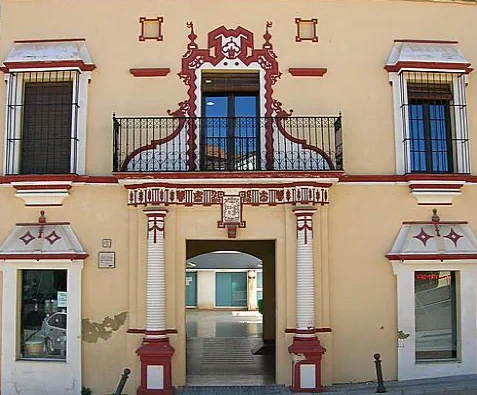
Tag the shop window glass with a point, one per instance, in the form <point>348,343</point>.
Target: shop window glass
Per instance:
<point>43,314</point>
<point>435,310</point>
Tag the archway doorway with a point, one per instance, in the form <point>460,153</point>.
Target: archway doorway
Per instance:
<point>230,312</point>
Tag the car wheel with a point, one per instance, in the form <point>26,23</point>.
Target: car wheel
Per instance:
<point>49,346</point>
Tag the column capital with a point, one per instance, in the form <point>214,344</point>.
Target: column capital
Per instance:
<point>155,212</point>
<point>304,211</point>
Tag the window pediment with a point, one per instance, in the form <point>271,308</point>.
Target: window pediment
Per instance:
<point>434,240</point>
<point>42,240</point>
<point>426,54</point>
<point>49,54</point>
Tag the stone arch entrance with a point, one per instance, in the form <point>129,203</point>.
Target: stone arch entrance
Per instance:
<point>231,345</point>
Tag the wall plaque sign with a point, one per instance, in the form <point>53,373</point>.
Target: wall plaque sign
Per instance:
<point>106,260</point>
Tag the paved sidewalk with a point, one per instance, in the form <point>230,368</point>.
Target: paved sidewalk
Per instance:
<point>456,385</point>
<point>453,385</point>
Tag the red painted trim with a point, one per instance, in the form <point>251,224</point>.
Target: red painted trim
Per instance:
<point>300,39</point>
<point>435,186</point>
<point>50,40</point>
<point>465,67</point>
<point>408,178</point>
<point>154,143</point>
<point>41,187</point>
<point>50,64</point>
<point>316,330</point>
<point>230,175</point>
<point>143,331</point>
<point>308,72</point>
<point>219,186</point>
<point>42,257</point>
<point>164,332</point>
<point>425,41</point>
<point>150,72</point>
<point>58,177</point>
<point>96,179</point>
<point>427,257</point>
<point>159,36</point>
<point>435,223</point>
<point>38,224</point>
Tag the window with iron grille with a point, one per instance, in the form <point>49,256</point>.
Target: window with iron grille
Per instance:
<point>42,122</point>
<point>434,122</point>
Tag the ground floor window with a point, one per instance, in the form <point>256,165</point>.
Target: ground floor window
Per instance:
<point>43,314</point>
<point>436,315</point>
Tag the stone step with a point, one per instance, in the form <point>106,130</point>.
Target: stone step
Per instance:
<point>239,390</point>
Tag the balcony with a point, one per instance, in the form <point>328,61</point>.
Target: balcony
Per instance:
<point>184,144</point>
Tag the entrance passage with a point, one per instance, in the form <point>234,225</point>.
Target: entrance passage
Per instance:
<point>230,313</point>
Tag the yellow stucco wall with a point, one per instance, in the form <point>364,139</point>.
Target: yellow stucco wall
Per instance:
<point>356,291</point>
<point>355,39</point>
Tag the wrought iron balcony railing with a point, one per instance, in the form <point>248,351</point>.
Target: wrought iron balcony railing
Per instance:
<point>175,144</point>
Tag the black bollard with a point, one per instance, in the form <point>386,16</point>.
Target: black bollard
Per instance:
<point>122,382</point>
<point>379,374</point>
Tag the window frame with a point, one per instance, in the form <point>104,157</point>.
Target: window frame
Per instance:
<point>466,304</point>
<point>40,370</point>
<point>12,155</point>
<point>459,125</point>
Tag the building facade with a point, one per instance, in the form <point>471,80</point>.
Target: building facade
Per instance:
<point>317,136</point>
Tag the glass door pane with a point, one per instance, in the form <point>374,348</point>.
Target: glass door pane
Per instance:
<point>214,130</point>
<point>436,318</point>
<point>231,289</point>
<point>245,133</point>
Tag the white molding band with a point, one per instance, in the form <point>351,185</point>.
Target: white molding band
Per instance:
<point>305,287</point>
<point>156,280</point>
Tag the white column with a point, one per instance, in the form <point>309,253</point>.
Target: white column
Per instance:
<point>305,290</point>
<point>156,279</point>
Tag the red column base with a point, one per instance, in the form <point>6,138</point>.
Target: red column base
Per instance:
<point>306,353</point>
<point>156,357</point>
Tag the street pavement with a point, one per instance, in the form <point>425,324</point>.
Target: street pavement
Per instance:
<point>457,385</point>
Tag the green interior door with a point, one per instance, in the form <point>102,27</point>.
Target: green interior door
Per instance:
<point>231,289</point>
<point>191,289</point>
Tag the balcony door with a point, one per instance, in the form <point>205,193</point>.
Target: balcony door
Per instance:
<point>230,124</point>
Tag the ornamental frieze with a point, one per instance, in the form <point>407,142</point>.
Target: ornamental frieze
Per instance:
<point>230,200</point>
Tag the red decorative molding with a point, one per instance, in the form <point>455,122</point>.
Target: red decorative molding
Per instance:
<point>430,257</point>
<point>150,72</point>
<point>244,185</point>
<point>465,67</point>
<point>425,41</point>
<point>143,331</point>
<point>436,186</point>
<point>8,66</point>
<point>301,331</point>
<point>180,114</point>
<point>42,257</point>
<point>155,223</point>
<point>224,46</point>
<point>143,21</point>
<point>40,187</point>
<point>308,72</point>
<point>50,40</point>
<point>60,177</point>
<point>231,175</point>
<point>298,37</point>
<point>433,223</point>
<point>414,178</point>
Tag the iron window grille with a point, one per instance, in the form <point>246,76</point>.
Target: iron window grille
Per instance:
<point>434,121</point>
<point>42,122</point>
